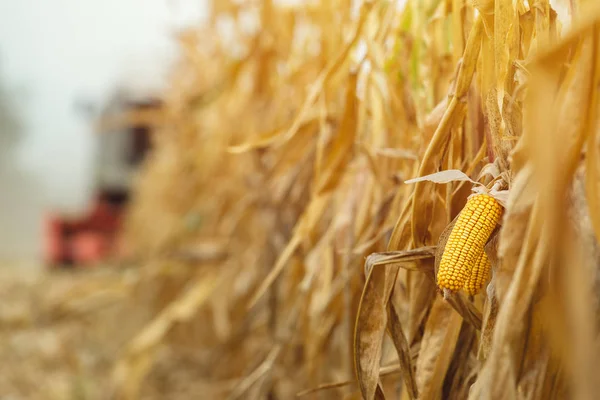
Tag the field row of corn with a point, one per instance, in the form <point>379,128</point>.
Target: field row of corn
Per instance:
<point>372,199</point>
<point>294,252</point>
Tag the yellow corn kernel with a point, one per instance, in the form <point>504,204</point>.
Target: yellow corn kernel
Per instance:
<point>479,274</point>
<point>471,231</point>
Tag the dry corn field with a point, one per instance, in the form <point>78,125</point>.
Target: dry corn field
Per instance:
<point>356,199</point>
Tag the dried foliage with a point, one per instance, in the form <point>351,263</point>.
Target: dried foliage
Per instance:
<point>285,254</point>
<point>286,143</point>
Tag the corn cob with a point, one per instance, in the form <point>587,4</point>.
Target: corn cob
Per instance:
<point>463,249</point>
<point>479,275</point>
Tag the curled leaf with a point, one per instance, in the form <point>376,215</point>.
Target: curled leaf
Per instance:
<point>451,175</point>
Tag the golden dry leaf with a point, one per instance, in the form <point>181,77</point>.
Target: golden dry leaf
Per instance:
<point>504,18</point>
<point>437,346</point>
<point>340,150</point>
<point>593,134</point>
<point>370,328</point>
<point>401,344</point>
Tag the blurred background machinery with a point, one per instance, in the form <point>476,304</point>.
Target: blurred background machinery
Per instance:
<point>89,238</point>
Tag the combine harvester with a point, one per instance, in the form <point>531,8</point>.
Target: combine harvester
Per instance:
<point>88,239</point>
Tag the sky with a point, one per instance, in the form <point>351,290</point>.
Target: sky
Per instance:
<point>54,55</point>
